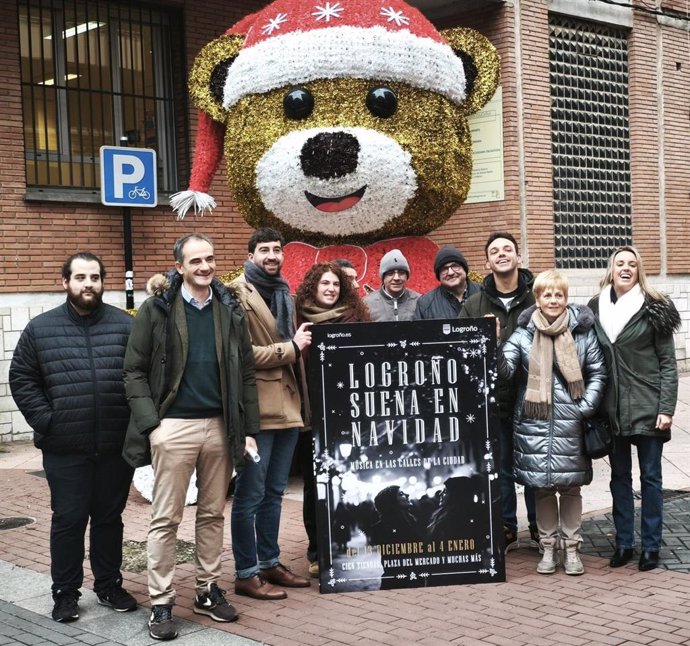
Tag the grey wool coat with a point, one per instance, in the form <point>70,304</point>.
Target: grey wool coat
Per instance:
<point>549,453</point>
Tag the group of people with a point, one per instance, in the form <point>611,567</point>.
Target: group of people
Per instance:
<point>215,381</point>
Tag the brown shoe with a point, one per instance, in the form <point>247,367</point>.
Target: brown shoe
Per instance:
<point>256,588</point>
<point>280,575</point>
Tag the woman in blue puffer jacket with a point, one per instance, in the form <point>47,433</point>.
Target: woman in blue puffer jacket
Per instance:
<point>560,374</point>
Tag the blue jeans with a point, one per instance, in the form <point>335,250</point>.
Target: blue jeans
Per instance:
<point>259,489</point>
<point>649,451</point>
<point>506,473</point>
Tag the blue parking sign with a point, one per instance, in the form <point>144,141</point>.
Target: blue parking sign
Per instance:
<point>128,177</point>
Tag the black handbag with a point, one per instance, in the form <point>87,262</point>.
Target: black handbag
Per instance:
<point>598,437</point>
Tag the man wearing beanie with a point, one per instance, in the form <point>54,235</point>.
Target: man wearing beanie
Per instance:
<point>393,301</point>
<point>446,300</point>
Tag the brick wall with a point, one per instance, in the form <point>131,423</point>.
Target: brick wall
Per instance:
<point>37,236</point>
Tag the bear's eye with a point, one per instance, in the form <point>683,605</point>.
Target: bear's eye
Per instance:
<point>298,103</point>
<point>382,102</point>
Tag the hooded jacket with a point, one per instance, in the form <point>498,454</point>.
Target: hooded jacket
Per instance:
<point>487,301</point>
<point>156,357</point>
<point>643,369</point>
<point>66,378</point>
<point>550,453</point>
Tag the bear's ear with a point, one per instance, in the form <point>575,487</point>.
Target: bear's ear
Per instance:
<point>210,69</point>
<point>481,62</point>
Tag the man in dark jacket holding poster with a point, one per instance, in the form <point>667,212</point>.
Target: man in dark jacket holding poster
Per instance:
<point>66,378</point>
<point>505,293</point>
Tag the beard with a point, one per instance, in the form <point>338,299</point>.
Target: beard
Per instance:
<point>88,305</point>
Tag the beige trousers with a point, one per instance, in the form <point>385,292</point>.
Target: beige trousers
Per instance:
<point>564,504</point>
<point>178,446</point>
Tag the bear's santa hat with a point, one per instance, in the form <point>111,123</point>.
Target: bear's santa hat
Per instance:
<point>292,42</point>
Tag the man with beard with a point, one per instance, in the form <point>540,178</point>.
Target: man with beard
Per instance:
<point>505,294</point>
<point>259,487</point>
<point>66,378</point>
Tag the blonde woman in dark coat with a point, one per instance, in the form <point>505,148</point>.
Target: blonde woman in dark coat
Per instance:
<point>561,375</point>
<point>635,325</point>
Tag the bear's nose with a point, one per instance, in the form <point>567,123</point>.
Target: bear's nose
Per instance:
<point>329,155</point>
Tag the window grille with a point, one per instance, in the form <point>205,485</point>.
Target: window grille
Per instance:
<point>93,73</point>
<point>590,141</point>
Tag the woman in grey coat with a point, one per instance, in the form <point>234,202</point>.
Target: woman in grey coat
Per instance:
<point>561,375</point>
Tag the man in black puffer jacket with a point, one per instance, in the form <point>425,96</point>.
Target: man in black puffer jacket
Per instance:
<point>66,378</point>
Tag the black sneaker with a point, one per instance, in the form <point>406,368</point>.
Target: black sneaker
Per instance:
<point>161,623</point>
<point>66,608</point>
<point>511,539</point>
<point>118,599</point>
<point>213,604</point>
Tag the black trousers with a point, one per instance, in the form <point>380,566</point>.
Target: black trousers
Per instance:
<point>84,488</point>
<point>305,455</point>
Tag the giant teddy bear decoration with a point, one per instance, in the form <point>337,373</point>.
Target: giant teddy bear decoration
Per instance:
<point>343,124</point>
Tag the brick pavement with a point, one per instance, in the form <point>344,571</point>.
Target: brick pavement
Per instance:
<point>603,607</point>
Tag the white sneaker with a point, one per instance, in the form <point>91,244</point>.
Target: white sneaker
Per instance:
<point>573,565</point>
<point>549,560</point>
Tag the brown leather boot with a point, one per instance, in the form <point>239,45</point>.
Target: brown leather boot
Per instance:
<point>256,588</point>
<point>280,575</point>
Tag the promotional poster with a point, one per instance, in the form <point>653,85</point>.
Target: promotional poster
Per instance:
<point>405,457</point>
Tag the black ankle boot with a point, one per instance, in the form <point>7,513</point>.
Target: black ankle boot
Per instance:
<point>648,560</point>
<point>621,556</point>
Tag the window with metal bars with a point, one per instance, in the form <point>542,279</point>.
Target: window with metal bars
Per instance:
<point>93,73</point>
<point>590,141</point>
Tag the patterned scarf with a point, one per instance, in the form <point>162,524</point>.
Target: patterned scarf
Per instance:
<point>274,290</point>
<point>550,337</point>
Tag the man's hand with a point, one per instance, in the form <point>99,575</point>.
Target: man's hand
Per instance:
<point>498,325</point>
<point>303,336</point>
<point>250,443</point>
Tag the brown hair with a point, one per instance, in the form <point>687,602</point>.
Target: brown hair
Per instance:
<point>348,294</point>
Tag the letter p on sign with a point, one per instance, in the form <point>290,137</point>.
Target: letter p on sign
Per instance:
<point>128,176</point>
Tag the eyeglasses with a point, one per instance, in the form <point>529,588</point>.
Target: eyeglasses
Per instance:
<point>455,268</point>
<point>396,272</point>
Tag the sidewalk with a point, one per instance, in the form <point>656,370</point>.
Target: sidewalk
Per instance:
<point>605,606</point>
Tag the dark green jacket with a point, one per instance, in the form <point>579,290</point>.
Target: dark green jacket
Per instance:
<point>487,301</point>
<point>643,373</point>
<point>156,357</point>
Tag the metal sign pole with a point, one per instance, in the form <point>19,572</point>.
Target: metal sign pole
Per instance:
<point>127,239</point>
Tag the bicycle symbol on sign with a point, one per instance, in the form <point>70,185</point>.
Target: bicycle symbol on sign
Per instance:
<point>139,192</point>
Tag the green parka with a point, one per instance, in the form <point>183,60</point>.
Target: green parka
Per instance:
<point>643,373</point>
<point>156,357</point>
<point>488,301</point>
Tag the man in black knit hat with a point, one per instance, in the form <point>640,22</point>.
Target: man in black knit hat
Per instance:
<point>446,300</point>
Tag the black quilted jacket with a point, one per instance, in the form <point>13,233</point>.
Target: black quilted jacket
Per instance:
<point>66,378</point>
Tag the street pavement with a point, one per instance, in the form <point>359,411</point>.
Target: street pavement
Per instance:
<point>605,606</point>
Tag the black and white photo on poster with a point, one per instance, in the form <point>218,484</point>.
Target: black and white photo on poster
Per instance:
<point>405,454</point>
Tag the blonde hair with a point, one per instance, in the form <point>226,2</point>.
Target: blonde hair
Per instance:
<point>646,288</point>
<point>550,279</point>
